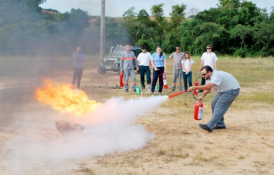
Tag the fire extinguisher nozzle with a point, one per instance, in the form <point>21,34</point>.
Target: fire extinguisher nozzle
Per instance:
<point>176,94</point>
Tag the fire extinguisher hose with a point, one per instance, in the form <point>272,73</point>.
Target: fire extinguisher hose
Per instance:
<point>176,94</point>
<point>195,97</point>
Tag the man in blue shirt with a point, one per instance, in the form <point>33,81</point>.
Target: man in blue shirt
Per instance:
<point>78,59</point>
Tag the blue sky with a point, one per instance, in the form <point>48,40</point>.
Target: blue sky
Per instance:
<point>115,8</point>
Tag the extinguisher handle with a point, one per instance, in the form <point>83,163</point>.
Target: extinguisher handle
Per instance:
<point>195,97</point>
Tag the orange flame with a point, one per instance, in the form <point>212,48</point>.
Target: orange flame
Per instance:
<point>63,98</point>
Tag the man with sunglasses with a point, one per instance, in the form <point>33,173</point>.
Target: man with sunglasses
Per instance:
<point>208,58</point>
<point>228,88</point>
<point>177,58</point>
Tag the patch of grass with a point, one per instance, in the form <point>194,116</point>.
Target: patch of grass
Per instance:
<point>200,158</point>
<point>241,157</point>
<point>162,152</point>
<point>85,170</point>
<point>267,97</point>
<point>173,151</point>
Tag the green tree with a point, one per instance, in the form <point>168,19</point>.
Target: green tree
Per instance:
<point>134,27</point>
<point>210,15</point>
<point>272,14</point>
<point>177,15</point>
<point>130,13</point>
<point>210,34</point>
<point>157,12</point>
<point>229,4</point>
<point>241,32</point>
<point>248,12</point>
<point>263,33</point>
<point>34,4</point>
<point>143,16</point>
<point>190,30</point>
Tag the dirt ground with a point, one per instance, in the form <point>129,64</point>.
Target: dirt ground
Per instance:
<point>179,147</point>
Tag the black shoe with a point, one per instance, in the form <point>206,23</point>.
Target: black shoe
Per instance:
<point>203,126</point>
<point>134,90</point>
<point>126,90</point>
<point>143,87</point>
<point>200,91</point>
<point>218,127</point>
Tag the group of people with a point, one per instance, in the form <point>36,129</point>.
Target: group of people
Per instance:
<point>182,67</point>
<point>227,86</point>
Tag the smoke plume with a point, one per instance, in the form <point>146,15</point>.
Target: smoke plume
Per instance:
<point>108,129</point>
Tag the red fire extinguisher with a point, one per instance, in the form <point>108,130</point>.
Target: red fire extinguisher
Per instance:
<point>165,81</point>
<point>198,110</point>
<point>121,80</point>
<point>196,84</point>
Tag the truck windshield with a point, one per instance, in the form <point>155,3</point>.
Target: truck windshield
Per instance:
<point>118,51</point>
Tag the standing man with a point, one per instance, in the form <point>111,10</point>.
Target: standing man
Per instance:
<point>228,88</point>
<point>144,62</point>
<point>177,58</point>
<point>78,59</point>
<point>127,63</point>
<point>208,58</point>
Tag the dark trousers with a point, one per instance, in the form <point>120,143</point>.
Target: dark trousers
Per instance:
<point>187,77</point>
<point>144,70</point>
<point>77,75</point>
<point>156,75</point>
<point>203,81</point>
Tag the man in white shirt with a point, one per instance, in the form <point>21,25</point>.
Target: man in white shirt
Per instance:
<point>144,62</point>
<point>228,88</point>
<point>208,58</point>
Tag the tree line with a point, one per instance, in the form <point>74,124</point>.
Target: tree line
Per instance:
<point>26,29</point>
<point>234,27</point>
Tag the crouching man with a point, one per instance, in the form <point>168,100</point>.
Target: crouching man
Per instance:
<point>228,88</point>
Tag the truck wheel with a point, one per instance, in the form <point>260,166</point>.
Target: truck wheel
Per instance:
<point>101,71</point>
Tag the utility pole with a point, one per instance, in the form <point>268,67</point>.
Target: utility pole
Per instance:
<point>102,33</point>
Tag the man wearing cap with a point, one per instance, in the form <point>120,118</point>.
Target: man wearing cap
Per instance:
<point>228,88</point>
<point>127,63</point>
<point>177,58</point>
<point>144,62</point>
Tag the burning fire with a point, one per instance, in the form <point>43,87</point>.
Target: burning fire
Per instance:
<point>63,98</point>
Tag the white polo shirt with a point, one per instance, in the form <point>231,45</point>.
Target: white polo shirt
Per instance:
<point>224,81</point>
<point>209,59</point>
<point>144,58</point>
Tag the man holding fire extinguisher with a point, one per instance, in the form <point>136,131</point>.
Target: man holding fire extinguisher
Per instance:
<point>228,88</point>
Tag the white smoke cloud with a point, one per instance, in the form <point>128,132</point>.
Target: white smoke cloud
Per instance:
<point>110,128</point>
